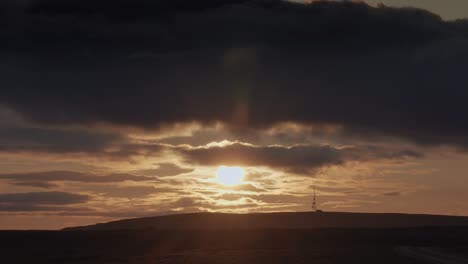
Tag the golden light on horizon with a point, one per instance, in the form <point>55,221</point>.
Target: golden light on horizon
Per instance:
<point>230,176</point>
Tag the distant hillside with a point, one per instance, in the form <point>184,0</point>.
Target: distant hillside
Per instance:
<point>298,220</point>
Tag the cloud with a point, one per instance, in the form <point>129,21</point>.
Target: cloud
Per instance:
<point>377,71</point>
<point>137,9</point>
<point>18,136</point>
<point>164,169</point>
<point>392,194</point>
<point>271,199</point>
<point>300,159</point>
<point>245,188</point>
<point>36,139</point>
<point>37,184</point>
<point>44,179</point>
<point>129,192</point>
<point>191,204</point>
<point>40,201</point>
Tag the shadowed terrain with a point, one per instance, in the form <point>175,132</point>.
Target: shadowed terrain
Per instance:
<point>201,238</point>
<point>297,220</point>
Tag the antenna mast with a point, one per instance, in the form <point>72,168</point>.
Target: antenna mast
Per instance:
<point>314,202</point>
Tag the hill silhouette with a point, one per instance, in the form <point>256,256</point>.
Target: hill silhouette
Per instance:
<point>295,220</point>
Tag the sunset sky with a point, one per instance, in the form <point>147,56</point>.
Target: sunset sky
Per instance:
<point>142,108</point>
<point>447,9</point>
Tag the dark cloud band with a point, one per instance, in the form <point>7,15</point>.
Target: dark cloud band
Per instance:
<point>300,159</point>
<point>40,201</point>
<point>45,179</point>
<point>388,71</point>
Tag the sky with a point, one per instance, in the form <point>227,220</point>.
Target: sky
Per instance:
<point>447,9</point>
<point>144,108</point>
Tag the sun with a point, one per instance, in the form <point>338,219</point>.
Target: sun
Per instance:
<point>230,176</point>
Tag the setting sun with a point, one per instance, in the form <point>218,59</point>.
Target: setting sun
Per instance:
<point>230,176</point>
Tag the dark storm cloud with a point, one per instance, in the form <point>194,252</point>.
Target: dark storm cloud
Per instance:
<point>37,184</point>
<point>124,9</point>
<point>374,71</point>
<point>18,139</point>
<point>39,201</point>
<point>45,179</point>
<point>47,198</point>
<point>301,159</point>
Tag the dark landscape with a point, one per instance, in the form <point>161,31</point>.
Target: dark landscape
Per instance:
<point>224,238</point>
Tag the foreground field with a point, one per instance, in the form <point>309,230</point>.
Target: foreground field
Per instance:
<point>407,245</point>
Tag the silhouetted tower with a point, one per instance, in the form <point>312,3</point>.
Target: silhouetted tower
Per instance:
<point>314,202</point>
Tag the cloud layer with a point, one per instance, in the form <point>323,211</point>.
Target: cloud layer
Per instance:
<point>40,201</point>
<point>253,63</point>
<point>44,179</point>
<point>300,159</point>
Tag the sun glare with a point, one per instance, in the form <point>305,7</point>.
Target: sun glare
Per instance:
<point>230,176</point>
